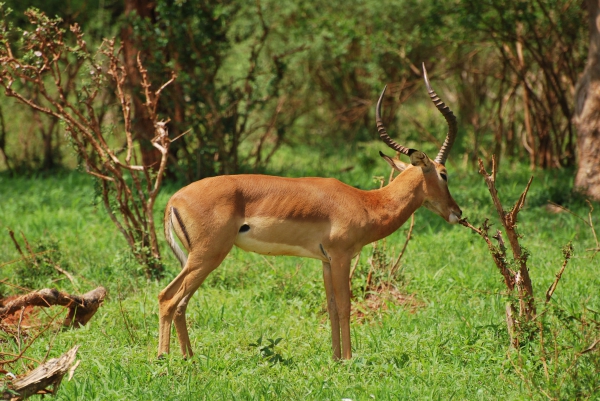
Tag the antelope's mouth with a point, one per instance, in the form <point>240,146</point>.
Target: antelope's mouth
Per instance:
<point>453,218</point>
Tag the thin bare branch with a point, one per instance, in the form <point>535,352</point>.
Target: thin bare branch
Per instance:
<point>498,254</point>
<point>511,217</point>
<point>66,273</point>
<point>509,220</point>
<point>567,253</point>
<point>591,348</point>
<point>14,240</point>
<point>25,257</point>
<point>355,265</point>
<point>408,237</point>
<point>591,224</point>
<point>30,343</point>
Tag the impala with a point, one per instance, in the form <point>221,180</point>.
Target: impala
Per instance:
<point>319,218</point>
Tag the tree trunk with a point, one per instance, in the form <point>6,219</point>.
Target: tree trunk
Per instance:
<point>587,112</point>
<point>51,157</point>
<point>143,127</point>
<point>3,141</point>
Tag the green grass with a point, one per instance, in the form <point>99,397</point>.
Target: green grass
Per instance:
<point>454,346</point>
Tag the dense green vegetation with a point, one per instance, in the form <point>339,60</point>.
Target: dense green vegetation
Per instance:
<point>451,343</point>
<point>253,76</point>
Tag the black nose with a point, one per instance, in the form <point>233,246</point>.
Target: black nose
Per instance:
<point>459,212</point>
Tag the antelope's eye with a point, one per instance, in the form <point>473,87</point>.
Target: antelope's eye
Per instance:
<point>444,177</point>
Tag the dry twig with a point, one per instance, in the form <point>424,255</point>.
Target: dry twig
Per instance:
<point>408,237</point>
<point>567,253</point>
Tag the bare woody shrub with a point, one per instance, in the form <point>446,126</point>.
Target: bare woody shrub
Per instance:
<point>101,134</point>
<point>554,347</point>
<point>520,308</point>
<point>554,351</point>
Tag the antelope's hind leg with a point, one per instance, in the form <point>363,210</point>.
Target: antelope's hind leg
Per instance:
<point>181,327</point>
<point>173,300</point>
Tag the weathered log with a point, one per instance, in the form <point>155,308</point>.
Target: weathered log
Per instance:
<point>41,378</point>
<point>81,308</point>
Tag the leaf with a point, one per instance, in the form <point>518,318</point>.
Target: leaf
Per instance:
<point>258,342</point>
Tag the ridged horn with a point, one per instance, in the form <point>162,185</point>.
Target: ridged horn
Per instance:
<point>450,119</point>
<point>383,133</point>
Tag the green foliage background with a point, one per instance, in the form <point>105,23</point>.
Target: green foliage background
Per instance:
<point>253,76</point>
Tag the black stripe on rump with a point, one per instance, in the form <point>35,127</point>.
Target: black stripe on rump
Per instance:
<point>180,222</point>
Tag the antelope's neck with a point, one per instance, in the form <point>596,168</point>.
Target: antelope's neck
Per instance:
<point>391,206</point>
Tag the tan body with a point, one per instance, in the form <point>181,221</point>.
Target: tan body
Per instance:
<point>306,214</point>
<point>319,218</point>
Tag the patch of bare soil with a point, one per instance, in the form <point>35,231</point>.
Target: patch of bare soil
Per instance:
<point>378,300</point>
<point>28,316</point>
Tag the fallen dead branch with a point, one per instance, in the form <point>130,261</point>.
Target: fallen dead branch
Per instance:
<point>38,381</point>
<point>81,308</point>
<point>21,354</point>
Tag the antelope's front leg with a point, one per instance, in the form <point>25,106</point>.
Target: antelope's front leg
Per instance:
<point>332,309</point>
<point>340,274</point>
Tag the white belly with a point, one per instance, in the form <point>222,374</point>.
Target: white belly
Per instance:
<point>267,236</point>
<point>265,248</point>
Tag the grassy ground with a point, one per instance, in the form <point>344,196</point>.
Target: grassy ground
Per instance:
<point>452,346</point>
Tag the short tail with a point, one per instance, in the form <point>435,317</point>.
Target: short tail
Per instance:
<point>179,254</point>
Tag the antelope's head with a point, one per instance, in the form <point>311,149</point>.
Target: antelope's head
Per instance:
<point>432,172</point>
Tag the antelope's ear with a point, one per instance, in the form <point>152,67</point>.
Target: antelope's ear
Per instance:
<point>420,159</point>
<point>396,164</point>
